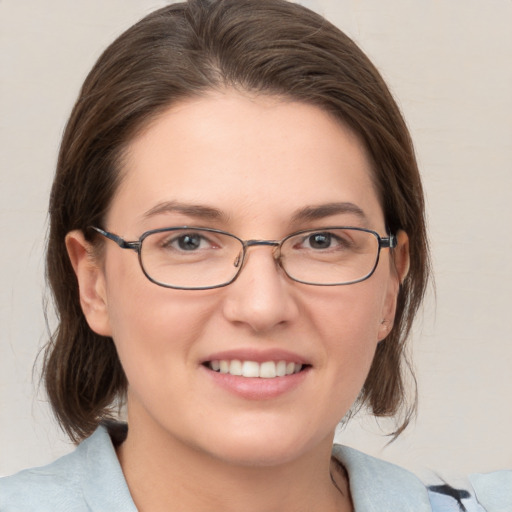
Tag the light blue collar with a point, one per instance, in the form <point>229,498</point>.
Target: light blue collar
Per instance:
<point>103,484</point>
<point>378,486</point>
<point>375,485</point>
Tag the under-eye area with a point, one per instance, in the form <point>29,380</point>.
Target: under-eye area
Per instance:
<point>254,369</point>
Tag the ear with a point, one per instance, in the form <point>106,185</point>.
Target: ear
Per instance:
<point>91,282</point>
<point>400,268</point>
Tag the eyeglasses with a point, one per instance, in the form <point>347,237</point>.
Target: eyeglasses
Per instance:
<point>190,258</point>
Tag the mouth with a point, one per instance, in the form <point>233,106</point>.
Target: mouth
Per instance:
<point>254,369</point>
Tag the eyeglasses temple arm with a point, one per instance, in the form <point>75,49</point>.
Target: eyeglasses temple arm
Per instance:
<point>117,239</point>
<point>388,242</point>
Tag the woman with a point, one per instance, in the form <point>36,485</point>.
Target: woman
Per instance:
<point>255,161</point>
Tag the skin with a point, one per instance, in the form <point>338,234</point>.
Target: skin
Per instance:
<point>258,160</point>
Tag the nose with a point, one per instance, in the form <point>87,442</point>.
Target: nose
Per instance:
<point>262,296</point>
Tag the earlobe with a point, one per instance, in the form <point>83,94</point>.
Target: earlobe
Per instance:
<point>91,282</point>
<point>384,328</point>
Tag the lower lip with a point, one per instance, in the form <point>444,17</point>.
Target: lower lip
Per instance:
<point>257,388</point>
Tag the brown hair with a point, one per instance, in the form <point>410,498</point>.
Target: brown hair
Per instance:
<point>264,46</point>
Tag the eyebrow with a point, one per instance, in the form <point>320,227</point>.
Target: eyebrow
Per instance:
<point>310,213</point>
<point>192,210</point>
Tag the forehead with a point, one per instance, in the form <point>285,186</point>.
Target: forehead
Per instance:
<point>248,156</point>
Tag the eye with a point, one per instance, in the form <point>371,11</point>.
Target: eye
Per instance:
<point>332,241</point>
<point>319,240</point>
<point>323,240</point>
<point>188,242</point>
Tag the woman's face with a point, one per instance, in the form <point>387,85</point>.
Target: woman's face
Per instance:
<point>252,166</point>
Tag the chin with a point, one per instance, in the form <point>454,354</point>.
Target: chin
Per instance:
<point>258,455</point>
<point>265,446</point>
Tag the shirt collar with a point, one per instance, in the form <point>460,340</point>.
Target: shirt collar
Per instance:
<point>104,486</point>
<point>376,485</point>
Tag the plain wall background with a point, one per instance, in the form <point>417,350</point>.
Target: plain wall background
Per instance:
<point>450,66</point>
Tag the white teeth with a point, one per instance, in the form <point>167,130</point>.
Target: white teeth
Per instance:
<point>268,370</point>
<point>265,370</point>
<point>250,369</point>
<point>235,368</point>
<point>281,368</point>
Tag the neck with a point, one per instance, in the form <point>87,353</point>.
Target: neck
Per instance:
<point>162,471</point>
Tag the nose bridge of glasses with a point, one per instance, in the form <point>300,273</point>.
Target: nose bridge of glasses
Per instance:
<point>271,243</point>
<point>251,243</point>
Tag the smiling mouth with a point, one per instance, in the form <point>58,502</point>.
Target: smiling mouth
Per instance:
<point>253,369</point>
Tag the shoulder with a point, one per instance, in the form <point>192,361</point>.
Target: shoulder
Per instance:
<point>483,492</point>
<point>457,498</point>
<point>87,479</point>
<point>57,484</point>
<point>379,485</point>
<point>493,490</point>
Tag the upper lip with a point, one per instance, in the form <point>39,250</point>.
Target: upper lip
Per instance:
<point>256,355</point>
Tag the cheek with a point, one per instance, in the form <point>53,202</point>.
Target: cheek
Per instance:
<point>150,324</point>
<point>156,340</point>
<point>348,321</point>
<point>350,315</point>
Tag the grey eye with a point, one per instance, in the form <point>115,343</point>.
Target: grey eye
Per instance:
<point>189,242</point>
<point>320,240</point>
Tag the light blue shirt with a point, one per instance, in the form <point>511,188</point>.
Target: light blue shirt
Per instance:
<point>90,479</point>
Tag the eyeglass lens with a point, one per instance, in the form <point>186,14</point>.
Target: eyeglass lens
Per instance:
<point>195,258</point>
